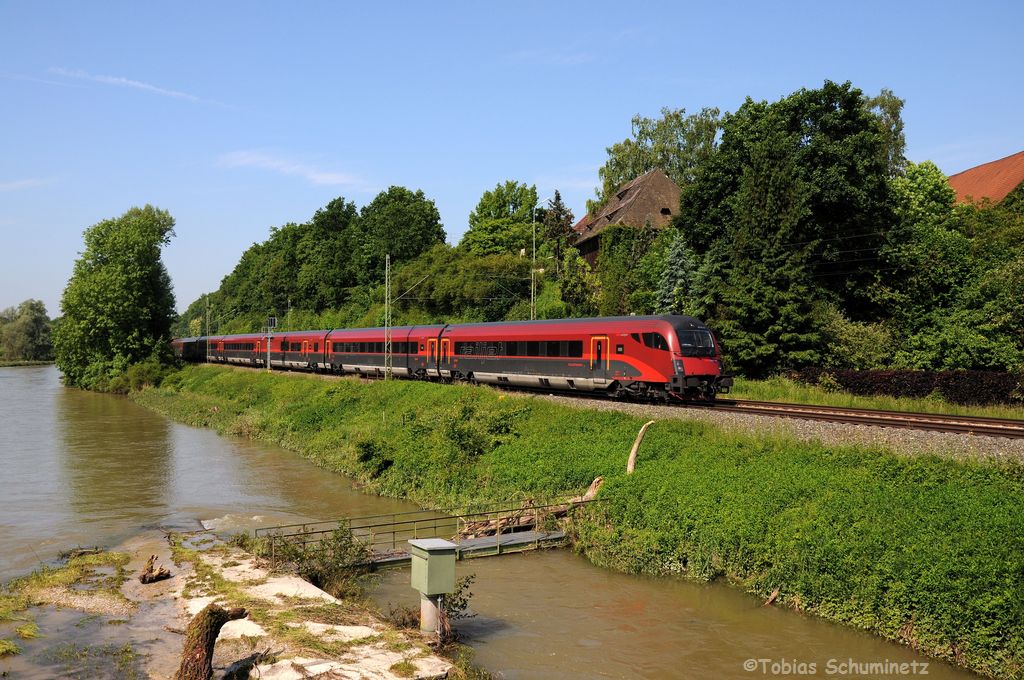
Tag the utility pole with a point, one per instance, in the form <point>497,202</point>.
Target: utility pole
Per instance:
<point>269,330</point>
<point>207,296</point>
<point>389,361</point>
<point>533,269</point>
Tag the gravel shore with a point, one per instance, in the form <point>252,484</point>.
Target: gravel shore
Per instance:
<point>909,442</point>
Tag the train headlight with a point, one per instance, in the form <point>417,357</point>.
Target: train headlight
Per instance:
<point>677,366</point>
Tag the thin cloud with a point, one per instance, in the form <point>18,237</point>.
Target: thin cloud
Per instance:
<point>285,166</point>
<point>118,81</point>
<point>30,79</point>
<point>20,184</point>
<point>553,56</point>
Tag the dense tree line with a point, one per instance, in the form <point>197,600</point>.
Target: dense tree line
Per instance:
<point>804,237</point>
<point>25,333</point>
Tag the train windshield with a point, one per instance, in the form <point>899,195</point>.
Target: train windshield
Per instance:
<point>696,343</point>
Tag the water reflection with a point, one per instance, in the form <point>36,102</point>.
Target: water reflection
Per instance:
<point>116,461</point>
<point>81,468</point>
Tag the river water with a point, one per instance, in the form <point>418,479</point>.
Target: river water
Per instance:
<point>80,469</point>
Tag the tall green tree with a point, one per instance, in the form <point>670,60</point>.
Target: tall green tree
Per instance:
<point>327,251</point>
<point>25,332</point>
<point>676,143</point>
<point>888,111</point>
<point>118,306</point>
<point>401,222</point>
<point>558,222</point>
<point>677,290</point>
<point>502,222</point>
<point>793,208</point>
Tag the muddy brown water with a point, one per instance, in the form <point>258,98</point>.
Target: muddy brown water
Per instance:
<point>83,469</point>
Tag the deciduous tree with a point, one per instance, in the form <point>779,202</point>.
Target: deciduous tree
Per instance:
<point>118,305</point>
<point>400,222</point>
<point>676,143</point>
<point>25,332</point>
<point>502,220</point>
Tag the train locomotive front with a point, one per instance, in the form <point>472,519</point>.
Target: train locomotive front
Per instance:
<point>697,369</point>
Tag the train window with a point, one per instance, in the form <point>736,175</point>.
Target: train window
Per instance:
<point>553,347</point>
<point>465,348</point>
<point>284,346</point>
<point>655,341</point>
<point>620,349</point>
<point>296,346</point>
<point>532,348</point>
<point>575,349</point>
<point>380,348</point>
<point>696,343</point>
<point>511,348</point>
<point>635,336</point>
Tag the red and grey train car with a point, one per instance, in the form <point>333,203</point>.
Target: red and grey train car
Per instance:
<point>640,356</point>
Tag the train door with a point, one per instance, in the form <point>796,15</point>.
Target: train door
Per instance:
<point>445,360</point>
<point>305,351</point>
<point>600,357</point>
<point>432,357</point>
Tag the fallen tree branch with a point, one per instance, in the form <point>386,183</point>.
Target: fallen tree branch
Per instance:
<point>200,638</point>
<point>527,516</point>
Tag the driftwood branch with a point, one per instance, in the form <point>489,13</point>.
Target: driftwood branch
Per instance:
<point>528,516</point>
<point>200,638</point>
<point>631,464</point>
<point>151,574</point>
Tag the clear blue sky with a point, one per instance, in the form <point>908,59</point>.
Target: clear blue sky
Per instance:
<point>237,117</point>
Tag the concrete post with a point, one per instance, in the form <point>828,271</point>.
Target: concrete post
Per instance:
<point>430,613</point>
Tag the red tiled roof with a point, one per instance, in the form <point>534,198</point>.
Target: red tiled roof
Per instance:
<point>992,180</point>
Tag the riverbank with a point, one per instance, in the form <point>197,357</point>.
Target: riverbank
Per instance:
<point>90,617</point>
<point>916,549</point>
<point>24,362</point>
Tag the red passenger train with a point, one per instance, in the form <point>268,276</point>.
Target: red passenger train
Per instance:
<point>647,357</point>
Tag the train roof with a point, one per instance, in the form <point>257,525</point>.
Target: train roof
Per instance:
<point>677,321</point>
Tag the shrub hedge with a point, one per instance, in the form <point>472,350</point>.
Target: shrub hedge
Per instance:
<point>923,550</point>
<point>957,387</point>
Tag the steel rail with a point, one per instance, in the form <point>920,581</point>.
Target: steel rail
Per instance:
<point>979,426</point>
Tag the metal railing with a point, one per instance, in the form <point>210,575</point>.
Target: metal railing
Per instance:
<point>388,535</point>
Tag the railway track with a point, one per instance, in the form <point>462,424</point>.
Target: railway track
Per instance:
<point>989,427</point>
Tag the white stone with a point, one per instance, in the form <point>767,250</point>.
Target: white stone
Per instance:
<point>280,587</point>
<point>232,630</point>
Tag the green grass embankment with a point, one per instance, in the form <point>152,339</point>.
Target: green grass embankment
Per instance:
<point>924,550</point>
